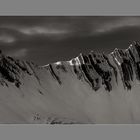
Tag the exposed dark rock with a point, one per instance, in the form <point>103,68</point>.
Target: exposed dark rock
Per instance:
<point>105,75</point>
<point>54,75</point>
<point>94,68</point>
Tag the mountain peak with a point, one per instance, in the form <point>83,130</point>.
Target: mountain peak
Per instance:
<point>73,89</point>
<point>102,66</point>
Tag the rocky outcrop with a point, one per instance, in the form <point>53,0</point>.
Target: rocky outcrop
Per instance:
<point>97,69</point>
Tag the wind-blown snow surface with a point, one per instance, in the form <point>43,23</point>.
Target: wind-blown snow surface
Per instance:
<point>93,88</point>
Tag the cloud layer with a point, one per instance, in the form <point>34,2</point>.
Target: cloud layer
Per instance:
<point>19,53</point>
<point>7,39</point>
<point>48,39</point>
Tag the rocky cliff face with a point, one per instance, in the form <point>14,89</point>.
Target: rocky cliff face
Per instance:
<point>98,69</point>
<point>93,88</point>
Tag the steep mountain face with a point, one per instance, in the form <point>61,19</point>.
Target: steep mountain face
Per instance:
<point>93,88</point>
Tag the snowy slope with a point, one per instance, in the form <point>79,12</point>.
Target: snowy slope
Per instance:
<point>93,88</point>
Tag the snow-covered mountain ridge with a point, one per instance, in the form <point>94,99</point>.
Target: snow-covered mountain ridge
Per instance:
<point>93,88</point>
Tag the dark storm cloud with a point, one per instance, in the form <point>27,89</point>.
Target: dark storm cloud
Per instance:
<point>49,39</point>
<point>55,25</point>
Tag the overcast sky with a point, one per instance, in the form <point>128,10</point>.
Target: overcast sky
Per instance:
<point>47,39</point>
